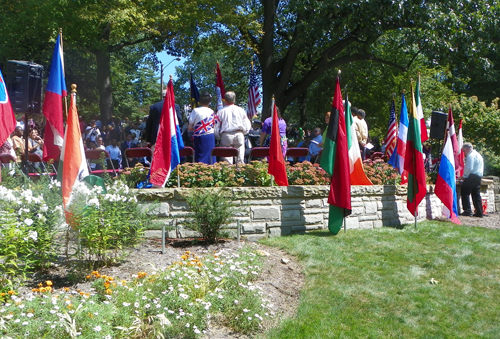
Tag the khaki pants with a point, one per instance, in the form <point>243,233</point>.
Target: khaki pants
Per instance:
<point>236,140</point>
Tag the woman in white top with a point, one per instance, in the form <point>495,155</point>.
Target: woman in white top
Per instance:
<point>201,122</point>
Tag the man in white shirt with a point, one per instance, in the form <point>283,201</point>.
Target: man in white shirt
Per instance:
<point>471,185</point>
<point>233,124</point>
<point>115,154</point>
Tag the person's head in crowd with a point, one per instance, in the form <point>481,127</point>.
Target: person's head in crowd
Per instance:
<point>316,132</point>
<point>114,142</point>
<point>90,144</point>
<point>128,137</point>
<point>33,134</point>
<point>205,99</point>
<point>327,117</point>
<point>467,148</point>
<point>354,111</point>
<point>99,140</point>
<point>361,114</point>
<point>230,98</point>
<point>18,131</point>
<point>92,123</point>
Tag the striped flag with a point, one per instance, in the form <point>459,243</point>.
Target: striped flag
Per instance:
<point>253,95</point>
<point>53,105</point>
<point>461,157</point>
<point>450,128</point>
<point>445,188</point>
<point>358,175</point>
<point>219,88</point>
<point>73,161</point>
<point>391,137</point>
<point>397,159</point>
<point>414,161</point>
<point>336,147</point>
<point>420,113</point>
<point>168,143</point>
<point>276,166</point>
<point>195,94</point>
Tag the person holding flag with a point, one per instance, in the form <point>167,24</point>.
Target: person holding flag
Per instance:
<point>53,104</point>
<point>168,142</point>
<point>335,158</point>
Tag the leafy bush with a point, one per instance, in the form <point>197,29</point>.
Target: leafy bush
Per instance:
<point>381,173</point>
<point>211,209</point>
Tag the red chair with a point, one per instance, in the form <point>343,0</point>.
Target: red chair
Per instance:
<point>187,152</point>
<point>259,152</point>
<point>139,152</point>
<point>33,170</point>
<point>297,152</point>
<point>7,158</point>
<point>377,155</point>
<point>225,152</point>
<point>95,154</point>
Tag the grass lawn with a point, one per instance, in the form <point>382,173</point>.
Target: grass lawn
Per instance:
<point>377,283</point>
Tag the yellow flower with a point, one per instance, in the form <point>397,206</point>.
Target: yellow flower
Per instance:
<point>108,291</point>
<point>11,292</point>
<point>48,283</point>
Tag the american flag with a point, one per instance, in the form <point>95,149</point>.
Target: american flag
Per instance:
<point>391,137</point>
<point>253,95</point>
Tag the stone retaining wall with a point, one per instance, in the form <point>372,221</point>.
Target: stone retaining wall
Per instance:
<point>277,211</point>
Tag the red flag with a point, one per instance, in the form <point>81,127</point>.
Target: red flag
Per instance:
<point>7,117</point>
<point>276,160</point>
<point>53,105</point>
<point>461,156</point>
<point>340,185</point>
<point>219,88</point>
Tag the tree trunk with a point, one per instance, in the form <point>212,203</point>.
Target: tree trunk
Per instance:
<point>104,85</point>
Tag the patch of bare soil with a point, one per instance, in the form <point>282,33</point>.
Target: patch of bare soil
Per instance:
<point>281,278</point>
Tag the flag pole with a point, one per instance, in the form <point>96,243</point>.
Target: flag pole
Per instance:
<point>272,117</point>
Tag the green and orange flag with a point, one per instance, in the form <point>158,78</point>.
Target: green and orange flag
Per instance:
<point>414,160</point>
<point>335,157</point>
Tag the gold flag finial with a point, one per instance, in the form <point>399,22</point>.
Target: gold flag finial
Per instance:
<point>73,88</point>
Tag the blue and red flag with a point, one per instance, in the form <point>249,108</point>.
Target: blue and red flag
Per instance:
<point>53,105</point>
<point>168,143</point>
<point>446,182</point>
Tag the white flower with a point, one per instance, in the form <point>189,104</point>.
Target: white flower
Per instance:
<point>126,304</point>
<point>44,208</point>
<point>28,221</point>
<point>12,172</point>
<point>93,202</point>
<point>236,301</point>
<point>33,235</point>
<point>97,328</point>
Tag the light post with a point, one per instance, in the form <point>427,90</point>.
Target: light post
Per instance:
<point>161,73</point>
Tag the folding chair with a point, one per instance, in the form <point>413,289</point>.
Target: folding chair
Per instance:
<point>187,152</point>
<point>7,159</point>
<point>318,157</point>
<point>95,154</point>
<point>377,155</point>
<point>225,152</point>
<point>33,170</point>
<point>296,153</point>
<point>139,152</point>
<point>259,152</point>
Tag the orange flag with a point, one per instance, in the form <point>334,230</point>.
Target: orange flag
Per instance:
<point>276,160</point>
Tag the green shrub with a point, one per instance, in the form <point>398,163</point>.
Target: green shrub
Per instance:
<point>211,209</point>
<point>381,173</point>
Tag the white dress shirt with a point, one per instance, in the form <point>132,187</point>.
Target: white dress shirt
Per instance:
<point>233,118</point>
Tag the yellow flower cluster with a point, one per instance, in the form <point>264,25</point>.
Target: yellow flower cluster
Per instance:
<point>108,282</point>
<point>188,259</point>
<point>42,289</point>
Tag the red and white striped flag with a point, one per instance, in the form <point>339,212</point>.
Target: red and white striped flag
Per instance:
<point>391,137</point>
<point>461,157</point>
<point>253,95</point>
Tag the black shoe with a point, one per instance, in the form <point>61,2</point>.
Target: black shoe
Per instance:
<point>466,214</point>
<point>477,215</point>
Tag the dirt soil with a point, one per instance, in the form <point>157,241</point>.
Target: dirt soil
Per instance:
<point>281,280</point>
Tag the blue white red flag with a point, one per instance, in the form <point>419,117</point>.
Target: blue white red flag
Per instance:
<point>219,88</point>
<point>450,127</point>
<point>391,137</point>
<point>53,105</point>
<point>253,95</point>
<point>397,159</point>
<point>461,157</point>
<point>446,182</point>
<point>168,143</point>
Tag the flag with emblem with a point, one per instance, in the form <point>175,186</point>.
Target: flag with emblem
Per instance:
<point>195,94</point>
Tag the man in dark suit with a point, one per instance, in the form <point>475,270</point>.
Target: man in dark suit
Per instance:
<point>154,120</point>
<point>128,143</point>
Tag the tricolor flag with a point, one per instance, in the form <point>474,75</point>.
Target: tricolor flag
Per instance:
<point>168,143</point>
<point>358,176</point>
<point>73,161</point>
<point>53,105</point>
<point>420,114</point>
<point>195,94</point>
<point>461,157</point>
<point>219,88</point>
<point>336,149</point>
<point>253,95</point>
<point>7,117</point>
<point>391,137</point>
<point>446,181</point>
<point>397,159</point>
<point>450,129</point>
<point>276,166</point>
<point>414,161</point>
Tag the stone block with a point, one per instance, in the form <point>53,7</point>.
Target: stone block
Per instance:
<point>299,230</point>
<point>315,210</point>
<point>314,227</point>
<point>352,222</point>
<point>369,217</point>
<point>279,231</point>
<point>288,215</point>
<point>265,213</point>
<point>179,205</point>
<point>377,224</point>
<point>358,210</point>
<point>314,203</point>
<point>312,218</point>
<point>253,228</point>
<point>290,203</point>
<point>366,224</point>
<point>254,237</point>
<point>371,207</point>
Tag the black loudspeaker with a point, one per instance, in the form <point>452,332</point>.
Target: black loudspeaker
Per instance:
<point>438,125</point>
<point>24,85</point>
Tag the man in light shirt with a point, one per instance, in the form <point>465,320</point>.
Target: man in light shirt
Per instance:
<point>473,172</point>
<point>233,125</point>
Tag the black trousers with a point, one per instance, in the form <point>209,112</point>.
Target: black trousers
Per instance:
<point>471,186</point>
